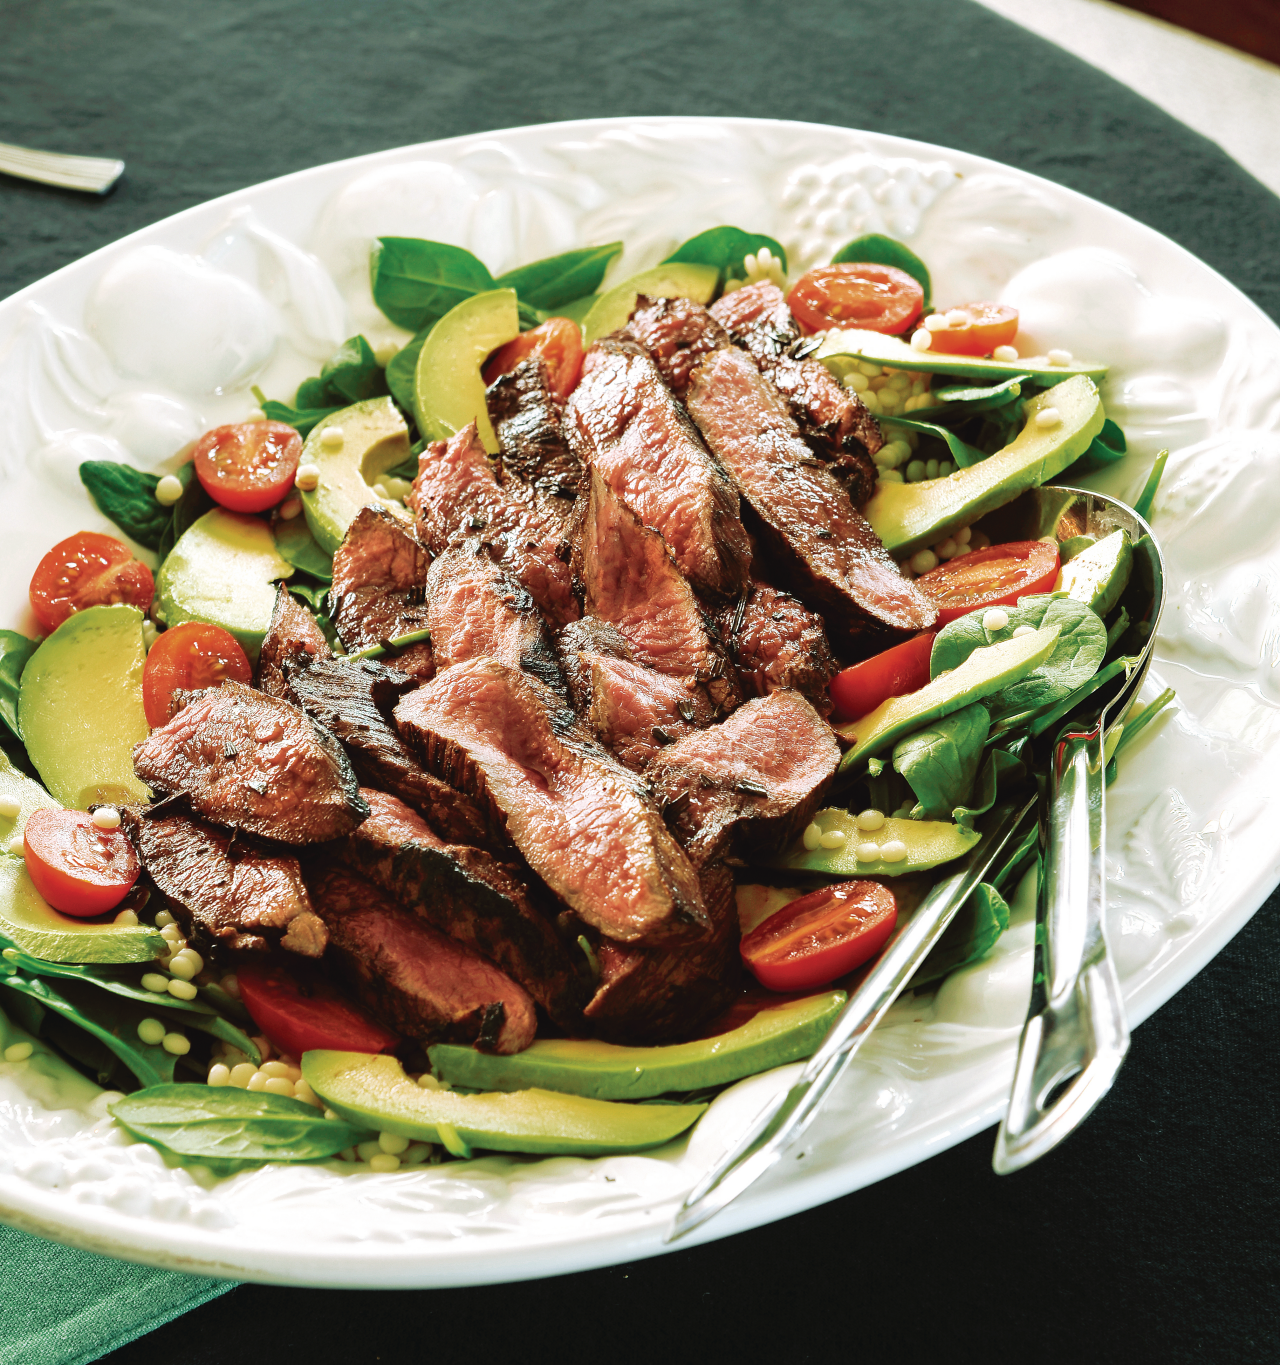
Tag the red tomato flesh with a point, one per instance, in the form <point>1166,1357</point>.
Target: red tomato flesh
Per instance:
<point>557,342</point>
<point>821,936</point>
<point>87,570</point>
<point>78,868</point>
<point>190,656</point>
<point>994,577</point>
<point>301,1012</point>
<point>248,466</point>
<point>857,691</point>
<point>987,326</point>
<point>864,294</point>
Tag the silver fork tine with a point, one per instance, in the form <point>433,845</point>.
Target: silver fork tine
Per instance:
<point>92,174</point>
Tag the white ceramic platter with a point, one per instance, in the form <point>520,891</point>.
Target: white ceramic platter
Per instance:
<point>136,349</point>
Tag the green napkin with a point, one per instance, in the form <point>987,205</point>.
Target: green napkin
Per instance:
<point>63,1307</point>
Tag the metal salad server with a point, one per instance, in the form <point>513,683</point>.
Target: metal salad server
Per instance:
<point>92,174</point>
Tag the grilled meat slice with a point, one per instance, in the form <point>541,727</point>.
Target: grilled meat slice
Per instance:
<point>377,594</point>
<point>834,561</point>
<point>582,821</point>
<point>457,495</point>
<point>475,609</point>
<point>652,995</point>
<point>624,422</point>
<point>635,711</point>
<point>777,642</point>
<point>253,762</point>
<point>419,981</point>
<point>629,579</point>
<point>354,699</point>
<point>749,785</point>
<point>527,420</point>
<point>467,894</point>
<point>226,889</point>
<point>577,644</point>
<point>677,333</point>
<point>293,631</point>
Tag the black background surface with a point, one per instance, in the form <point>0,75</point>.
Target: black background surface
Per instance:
<point>1152,1234</point>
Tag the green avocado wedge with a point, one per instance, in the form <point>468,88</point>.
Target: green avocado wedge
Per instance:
<point>929,844</point>
<point>909,516</point>
<point>675,280</point>
<point>372,1091</point>
<point>604,1071</point>
<point>1099,574</point>
<point>842,348</point>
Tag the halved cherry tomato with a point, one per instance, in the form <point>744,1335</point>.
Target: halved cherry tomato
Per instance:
<point>191,656</point>
<point>879,298</point>
<point>558,342</point>
<point>987,326</point>
<point>994,577</point>
<point>300,1010</point>
<point>248,466</point>
<point>78,868</point>
<point>857,691</point>
<point>821,936</point>
<point>87,570</point>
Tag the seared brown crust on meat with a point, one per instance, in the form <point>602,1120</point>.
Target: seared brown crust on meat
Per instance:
<point>628,578</point>
<point>467,894</point>
<point>624,422</point>
<point>474,609</point>
<point>293,630</point>
<point>419,981</point>
<point>647,996</point>
<point>581,820</point>
<point>353,699</point>
<point>253,762</point>
<point>225,889</point>
<point>832,558</point>
<point>677,333</point>
<point>777,642</point>
<point>377,594</point>
<point>527,421</point>
<point>457,495</point>
<point>749,785</point>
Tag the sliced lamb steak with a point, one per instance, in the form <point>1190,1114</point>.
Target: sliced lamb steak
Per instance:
<point>635,711</point>
<point>226,889</point>
<point>467,894</point>
<point>527,421</point>
<point>581,820</point>
<point>354,699</point>
<point>475,609</point>
<point>577,644</point>
<point>377,594</point>
<point>777,642</point>
<point>293,631</point>
<point>833,559</point>
<point>624,422</point>
<point>754,781</point>
<point>677,333</point>
<point>457,495</point>
<point>419,981</point>
<point>253,762</point>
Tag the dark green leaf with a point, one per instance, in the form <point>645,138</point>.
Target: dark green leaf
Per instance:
<point>189,508</point>
<point>1106,448</point>
<point>299,547</point>
<point>415,282</point>
<point>15,650</point>
<point>577,309</point>
<point>962,399</point>
<point>726,247</point>
<point>963,453</point>
<point>311,590</point>
<point>352,374</point>
<point>128,497</point>
<point>971,935</point>
<point>551,283</point>
<point>403,368</point>
<point>1001,773</point>
<point>301,419</point>
<point>1148,495</point>
<point>1046,719</point>
<point>941,761</point>
<point>1133,728</point>
<point>875,246</point>
<point>226,1123</point>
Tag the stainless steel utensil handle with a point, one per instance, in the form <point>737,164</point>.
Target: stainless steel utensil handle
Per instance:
<point>786,1117</point>
<point>92,174</point>
<point>1076,1034</point>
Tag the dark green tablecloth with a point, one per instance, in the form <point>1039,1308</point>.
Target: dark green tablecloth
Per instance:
<point>1151,1236</point>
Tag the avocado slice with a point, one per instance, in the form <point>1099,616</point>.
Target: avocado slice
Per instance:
<point>604,1071</point>
<point>372,1091</point>
<point>929,843</point>
<point>448,386</point>
<point>909,516</point>
<point>1097,576</point>
<point>80,707</point>
<point>988,669</point>
<point>675,280</point>
<point>222,571</point>
<point>842,348</point>
<point>374,440</point>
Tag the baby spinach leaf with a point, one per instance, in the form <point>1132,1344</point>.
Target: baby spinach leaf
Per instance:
<point>557,280</point>
<point>226,1123</point>
<point>1148,495</point>
<point>1133,728</point>
<point>957,399</point>
<point>189,508</point>
<point>971,935</point>
<point>403,368</point>
<point>128,497</point>
<point>941,761</point>
<point>352,373</point>
<point>415,281</point>
<point>301,419</point>
<point>1106,448</point>
<point>312,591</point>
<point>1108,673</point>
<point>299,547</point>
<point>875,246</point>
<point>1001,773</point>
<point>15,650</point>
<point>963,453</point>
<point>726,247</point>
